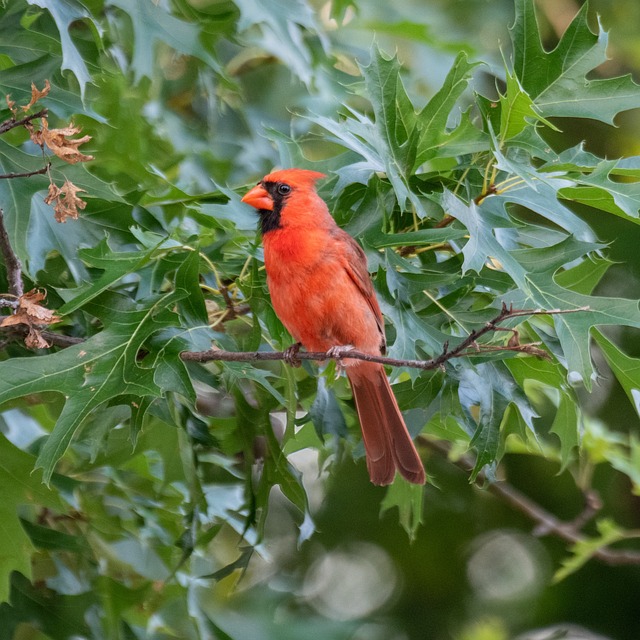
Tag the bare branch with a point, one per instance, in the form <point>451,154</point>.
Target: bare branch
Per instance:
<point>11,261</point>
<point>465,348</point>
<point>26,174</point>
<point>546,522</point>
<point>12,123</point>
<point>20,331</point>
<point>60,340</point>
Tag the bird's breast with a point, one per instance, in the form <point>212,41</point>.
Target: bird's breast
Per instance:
<point>314,297</point>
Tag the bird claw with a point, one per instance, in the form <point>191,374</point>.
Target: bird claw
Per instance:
<point>337,353</point>
<point>290,355</point>
<point>340,351</point>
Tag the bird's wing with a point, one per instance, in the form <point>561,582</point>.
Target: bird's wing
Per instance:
<point>355,264</point>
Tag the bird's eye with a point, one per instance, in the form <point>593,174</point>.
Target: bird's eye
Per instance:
<point>284,189</point>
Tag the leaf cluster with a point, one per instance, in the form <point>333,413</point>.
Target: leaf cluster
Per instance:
<point>153,467</point>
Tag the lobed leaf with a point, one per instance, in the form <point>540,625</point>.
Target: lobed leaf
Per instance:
<point>556,80</point>
<point>625,368</point>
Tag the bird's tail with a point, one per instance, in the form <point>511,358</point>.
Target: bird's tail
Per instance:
<point>387,441</point>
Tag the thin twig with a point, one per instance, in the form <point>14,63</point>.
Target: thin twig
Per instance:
<point>60,340</point>
<point>5,302</point>
<point>230,313</point>
<point>11,261</point>
<point>546,522</point>
<point>12,123</point>
<point>20,331</point>
<point>445,222</point>
<point>231,310</point>
<point>26,174</point>
<point>467,347</point>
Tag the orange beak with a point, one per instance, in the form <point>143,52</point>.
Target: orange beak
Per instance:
<point>258,198</point>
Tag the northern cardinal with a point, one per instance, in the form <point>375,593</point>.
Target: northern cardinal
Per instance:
<point>321,291</point>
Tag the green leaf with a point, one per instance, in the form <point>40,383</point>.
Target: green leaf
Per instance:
<point>530,141</point>
<point>398,139</point>
<point>584,550</point>
<point>115,266</point>
<point>423,237</point>
<point>45,235</point>
<point>282,31</point>
<point>597,190</point>
<point>539,194</point>
<point>52,614</point>
<point>485,393</point>
<point>278,470</point>
<point>47,538</point>
<point>555,256</point>
<point>325,412</point>
<point>625,368</point>
<point>432,120</point>
<point>64,13</point>
<point>411,329</point>
<point>584,276</point>
<point>100,369</point>
<point>556,80</point>
<point>395,123</point>
<point>152,25</point>
<point>464,139</point>
<point>629,462</point>
<point>241,563</point>
<point>408,498</point>
<point>517,110</point>
<point>20,486</point>
<point>483,244</point>
<point>61,101</point>
<point>192,308</point>
<point>565,426</point>
<point>16,195</point>
<point>573,328</point>
<point>93,187</point>
<point>339,9</point>
<point>234,372</point>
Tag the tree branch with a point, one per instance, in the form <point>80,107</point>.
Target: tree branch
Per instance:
<point>466,347</point>
<point>5,302</point>
<point>11,261</point>
<point>26,174</point>
<point>12,123</point>
<point>546,523</point>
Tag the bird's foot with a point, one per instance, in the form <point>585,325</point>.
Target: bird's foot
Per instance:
<point>338,353</point>
<point>291,355</point>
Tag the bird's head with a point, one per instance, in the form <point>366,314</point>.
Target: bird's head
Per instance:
<point>285,195</point>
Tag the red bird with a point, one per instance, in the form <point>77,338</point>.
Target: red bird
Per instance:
<point>321,291</point>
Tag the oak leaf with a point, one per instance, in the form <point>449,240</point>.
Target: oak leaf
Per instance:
<point>31,313</point>
<point>65,200</point>
<point>36,94</point>
<point>59,142</point>
<point>34,340</point>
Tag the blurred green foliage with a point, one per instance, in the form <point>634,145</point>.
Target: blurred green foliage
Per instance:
<point>469,146</point>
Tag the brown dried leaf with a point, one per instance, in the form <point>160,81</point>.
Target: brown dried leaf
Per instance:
<point>30,302</point>
<point>11,104</point>
<point>53,194</point>
<point>36,94</point>
<point>533,350</point>
<point>34,340</point>
<point>59,143</point>
<point>30,311</point>
<point>16,318</point>
<point>32,314</point>
<point>66,201</point>
<point>514,340</point>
